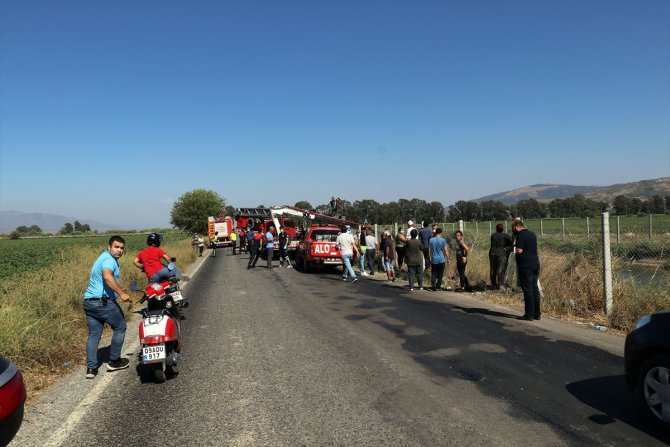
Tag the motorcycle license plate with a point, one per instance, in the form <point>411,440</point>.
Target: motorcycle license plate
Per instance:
<point>154,353</point>
<point>176,296</point>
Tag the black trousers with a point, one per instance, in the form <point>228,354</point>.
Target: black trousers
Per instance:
<point>255,254</point>
<point>460,267</point>
<point>528,275</point>
<point>498,263</point>
<point>401,255</point>
<point>415,272</point>
<point>436,274</point>
<point>370,255</point>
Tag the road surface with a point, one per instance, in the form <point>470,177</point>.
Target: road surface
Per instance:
<point>285,358</point>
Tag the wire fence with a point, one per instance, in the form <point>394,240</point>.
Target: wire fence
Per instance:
<point>578,262</point>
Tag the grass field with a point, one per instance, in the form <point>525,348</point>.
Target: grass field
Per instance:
<point>42,324</point>
<point>21,256</point>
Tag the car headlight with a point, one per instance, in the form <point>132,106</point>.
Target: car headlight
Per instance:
<point>643,322</point>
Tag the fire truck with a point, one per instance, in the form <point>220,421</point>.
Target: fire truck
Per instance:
<point>221,227</point>
<point>309,233</point>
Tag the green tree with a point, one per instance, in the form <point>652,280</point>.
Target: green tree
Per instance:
<point>531,209</point>
<point>657,205</point>
<point>493,210</point>
<point>303,205</point>
<point>191,210</point>
<point>67,229</point>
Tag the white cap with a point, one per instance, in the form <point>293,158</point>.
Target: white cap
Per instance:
<point>410,222</point>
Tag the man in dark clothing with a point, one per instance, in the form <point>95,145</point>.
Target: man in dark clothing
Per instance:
<point>501,245</point>
<point>283,249</point>
<point>252,247</point>
<point>528,264</point>
<point>424,235</point>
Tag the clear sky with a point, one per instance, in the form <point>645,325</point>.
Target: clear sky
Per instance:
<point>110,110</point>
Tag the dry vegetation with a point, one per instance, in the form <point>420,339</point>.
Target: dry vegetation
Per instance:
<point>41,318</point>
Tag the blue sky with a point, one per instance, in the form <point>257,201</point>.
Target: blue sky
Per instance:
<point>110,110</point>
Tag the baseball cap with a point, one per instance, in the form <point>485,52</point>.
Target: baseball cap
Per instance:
<point>409,222</point>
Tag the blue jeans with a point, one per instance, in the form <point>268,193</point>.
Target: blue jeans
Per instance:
<point>361,261</point>
<point>97,315</point>
<point>346,261</point>
<point>163,274</point>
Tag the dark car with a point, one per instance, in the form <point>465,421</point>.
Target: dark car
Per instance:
<point>647,363</point>
<point>12,399</point>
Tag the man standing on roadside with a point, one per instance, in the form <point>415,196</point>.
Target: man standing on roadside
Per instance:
<point>371,246</point>
<point>270,245</point>
<point>251,244</point>
<point>283,240</point>
<point>100,307</point>
<point>501,245</point>
<point>347,245</point>
<point>424,235</point>
<point>528,264</point>
<point>233,240</point>
<point>438,254</point>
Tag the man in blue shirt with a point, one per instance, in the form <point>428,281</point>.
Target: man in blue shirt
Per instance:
<point>438,253</point>
<point>270,245</point>
<point>100,307</point>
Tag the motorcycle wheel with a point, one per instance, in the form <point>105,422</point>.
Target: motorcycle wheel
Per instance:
<point>159,372</point>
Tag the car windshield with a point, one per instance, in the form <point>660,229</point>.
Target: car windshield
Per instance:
<point>325,235</point>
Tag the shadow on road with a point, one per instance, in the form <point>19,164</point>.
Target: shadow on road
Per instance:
<point>610,396</point>
<point>519,362</point>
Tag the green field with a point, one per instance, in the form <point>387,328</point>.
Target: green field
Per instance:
<point>22,256</point>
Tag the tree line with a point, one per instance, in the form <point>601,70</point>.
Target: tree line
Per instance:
<point>371,211</point>
<point>189,213</point>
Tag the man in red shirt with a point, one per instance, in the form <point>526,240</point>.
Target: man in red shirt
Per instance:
<point>149,261</point>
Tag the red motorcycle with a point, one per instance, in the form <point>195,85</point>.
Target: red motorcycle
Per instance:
<point>160,328</point>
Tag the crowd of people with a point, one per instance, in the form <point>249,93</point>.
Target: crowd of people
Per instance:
<point>416,250</point>
<point>427,250</point>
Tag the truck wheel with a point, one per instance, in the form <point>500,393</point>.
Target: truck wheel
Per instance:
<point>305,264</point>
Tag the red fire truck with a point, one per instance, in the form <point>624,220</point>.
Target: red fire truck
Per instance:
<point>309,233</point>
<point>221,227</point>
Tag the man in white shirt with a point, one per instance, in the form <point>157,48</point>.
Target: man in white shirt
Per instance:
<point>347,245</point>
<point>371,251</point>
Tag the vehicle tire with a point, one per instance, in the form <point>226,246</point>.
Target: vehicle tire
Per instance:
<point>652,390</point>
<point>159,373</point>
<point>305,264</point>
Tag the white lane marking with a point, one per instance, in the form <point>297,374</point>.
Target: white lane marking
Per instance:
<point>103,379</point>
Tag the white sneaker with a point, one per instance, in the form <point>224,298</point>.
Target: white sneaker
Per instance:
<point>365,274</point>
<point>344,279</point>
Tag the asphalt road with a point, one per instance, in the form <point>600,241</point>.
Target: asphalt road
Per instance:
<point>285,358</point>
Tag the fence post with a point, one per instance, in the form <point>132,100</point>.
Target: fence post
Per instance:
<point>650,228</point>
<point>563,228</point>
<point>607,264</point>
<point>375,231</point>
<point>490,228</point>
<point>461,226</point>
<point>477,229</point>
<point>395,229</point>
<point>618,229</point>
<point>541,229</point>
<point>588,229</point>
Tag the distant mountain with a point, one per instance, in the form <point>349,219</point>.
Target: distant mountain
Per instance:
<point>49,223</point>
<point>547,192</point>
